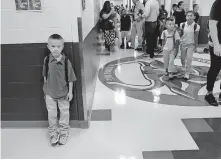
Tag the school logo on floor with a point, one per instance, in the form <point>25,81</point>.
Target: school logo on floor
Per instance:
<point>147,81</point>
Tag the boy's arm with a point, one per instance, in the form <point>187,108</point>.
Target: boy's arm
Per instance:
<point>196,37</point>
<point>44,71</point>
<point>70,87</point>
<point>177,42</point>
<point>163,39</point>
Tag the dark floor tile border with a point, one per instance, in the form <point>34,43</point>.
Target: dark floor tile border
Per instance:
<point>157,155</point>
<point>39,124</point>
<point>203,152</point>
<point>101,115</point>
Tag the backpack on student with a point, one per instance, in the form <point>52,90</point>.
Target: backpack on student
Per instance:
<point>183,26</point>
<point>174,39</point>
<point>65,68</point>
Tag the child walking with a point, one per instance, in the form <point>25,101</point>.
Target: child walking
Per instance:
<point>125,28</point>
<point>170,46</point>
<point>58,83</point>
<point>189,42</point>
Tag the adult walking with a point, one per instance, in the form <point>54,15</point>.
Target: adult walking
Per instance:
<point>215,51</point>
<point>109,26</point>
<point>179,14</point>
<point>137,26</point>
<point>151,13</point>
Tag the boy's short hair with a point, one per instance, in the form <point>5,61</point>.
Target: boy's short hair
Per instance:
<point>190,12</point>
<point>55,36</point>
<point>174,5</point>
<point>169,19</point>
<point>163,18</point>
<point>195,5</point>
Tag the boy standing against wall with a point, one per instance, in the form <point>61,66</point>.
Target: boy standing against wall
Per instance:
<point>189,42</point>
<point>58,83</point>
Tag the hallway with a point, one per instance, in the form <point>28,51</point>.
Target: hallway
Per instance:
<point>135,115</point>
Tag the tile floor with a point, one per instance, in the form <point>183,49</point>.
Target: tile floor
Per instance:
<point>137,113</point>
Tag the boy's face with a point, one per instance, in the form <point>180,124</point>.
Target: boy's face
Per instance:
<point>55,46</point>
<point>124,12</point>
<point>182,6</point>
<point>196,8</point>
<point>190,17</point>
<point>175,8</point>
<point>170,25</point>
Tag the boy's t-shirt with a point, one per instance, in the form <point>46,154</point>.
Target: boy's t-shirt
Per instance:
<point>56,85</point>
<point>125,23</point>
<point>215,14</point>
<point>189,33</point>
<point>169,44</point>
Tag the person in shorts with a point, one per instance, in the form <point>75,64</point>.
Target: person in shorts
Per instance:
<point>125,28</point>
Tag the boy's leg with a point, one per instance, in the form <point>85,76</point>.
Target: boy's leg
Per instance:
<point>51,105</point>
<point>172,67</point>
<point>183,50</point>
<point>64,106</point>
<point>123,36</point>
<point>189,55</point>
<point>166,59</point>
<point>140,33</point>
<point>133,34</point>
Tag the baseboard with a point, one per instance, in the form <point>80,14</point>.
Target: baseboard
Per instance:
<point>40,124</point>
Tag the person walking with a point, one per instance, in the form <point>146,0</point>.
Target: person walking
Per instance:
<point>215,51</point>
<point>137,26</point>
<point>179,14</point>
<point>151,14</point>
<point>196,11</point>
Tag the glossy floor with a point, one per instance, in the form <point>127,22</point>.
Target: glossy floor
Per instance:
<point>137,113</point>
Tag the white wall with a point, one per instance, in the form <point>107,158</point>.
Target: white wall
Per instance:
<point>58,16</point>
<point>88,17</point>
<point>205,7</point>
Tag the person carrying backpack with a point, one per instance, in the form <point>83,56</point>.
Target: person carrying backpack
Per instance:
<point>170,46</point>
<point>189,42</point>
<point>58,84</point>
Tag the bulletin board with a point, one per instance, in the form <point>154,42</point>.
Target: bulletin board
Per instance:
<point>28,5</point>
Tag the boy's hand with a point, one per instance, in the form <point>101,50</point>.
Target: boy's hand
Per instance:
<point>69,96</point>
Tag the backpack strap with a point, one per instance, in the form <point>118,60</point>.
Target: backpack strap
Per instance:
<point>195,27</point>
<point>46,66</point>
<point>66,70</point>
<point>174,39</point>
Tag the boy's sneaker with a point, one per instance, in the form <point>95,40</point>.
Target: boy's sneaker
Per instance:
<point>211,100</point>
<point>54,139</point>
<point>186,77</point>
<point>63,139</point>
<point>171,76</point>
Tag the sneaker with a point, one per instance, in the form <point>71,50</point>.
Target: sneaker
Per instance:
<point>122,46</point>
<point>171,76</point>
<point>186,77</point>
<point>139,49</point>
<point>63,139</point>
<point>54,139</point>
<point>146,55</point>
<point>211,100</point>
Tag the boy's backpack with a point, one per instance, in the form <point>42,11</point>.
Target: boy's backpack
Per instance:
<point>65,68</point>
<point>183,26</point>
<point>174,40</point>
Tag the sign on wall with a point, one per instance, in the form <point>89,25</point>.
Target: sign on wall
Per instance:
<point>28,5</point>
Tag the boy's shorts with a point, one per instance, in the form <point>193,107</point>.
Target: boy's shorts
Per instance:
<point>124,34</point>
